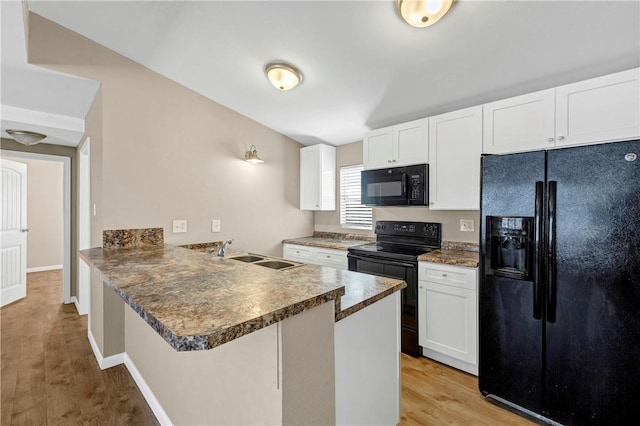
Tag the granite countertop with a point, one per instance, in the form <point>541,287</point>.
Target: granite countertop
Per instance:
<point>332,240</point>
<point>451,253</point>
<point>469,259</point>
<point>197,301</point>
<point>454,253</point>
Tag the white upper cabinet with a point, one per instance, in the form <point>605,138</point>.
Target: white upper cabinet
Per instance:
<point>318,177</point>
<point>598,110</point>
<point>601,109</point>
<point>522,123</point>
<point>455,145</point>
<point>400,145</point>
<point>378,148</point>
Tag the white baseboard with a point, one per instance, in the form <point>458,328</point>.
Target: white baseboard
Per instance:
<point>151,399</point>
<point>44,268</point>
<point>108,362</point>
<point>451,361</point>
<point>79,307</point>
<point>123,358</point>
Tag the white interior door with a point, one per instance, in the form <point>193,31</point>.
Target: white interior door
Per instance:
<point>13,236</point>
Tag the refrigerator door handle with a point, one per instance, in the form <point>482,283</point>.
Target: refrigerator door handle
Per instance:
<point>537,250</point>
<point>551,254</point>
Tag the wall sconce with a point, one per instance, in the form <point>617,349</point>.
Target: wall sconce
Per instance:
<point>252,156</point>
<point>423,13</point>
<point>26,137</point>
<point>283,76</point>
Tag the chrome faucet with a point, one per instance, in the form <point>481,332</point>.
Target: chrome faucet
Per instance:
<point>223,248</point>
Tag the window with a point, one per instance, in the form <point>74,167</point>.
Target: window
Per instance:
<point>352,213</point>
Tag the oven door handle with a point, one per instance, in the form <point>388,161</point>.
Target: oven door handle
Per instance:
<point>380,260</point>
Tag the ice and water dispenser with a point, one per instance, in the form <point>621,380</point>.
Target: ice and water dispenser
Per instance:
<point>510,246</point>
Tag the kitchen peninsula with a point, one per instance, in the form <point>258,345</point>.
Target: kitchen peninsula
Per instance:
<point>213,340</point>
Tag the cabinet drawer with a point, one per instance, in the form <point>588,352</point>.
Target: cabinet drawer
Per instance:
<point>337,259</point>
<point>298,253</point>
<point>456,276</point>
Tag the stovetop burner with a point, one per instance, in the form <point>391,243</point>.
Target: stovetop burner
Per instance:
<point>392,249</point>
<point>401,240</point>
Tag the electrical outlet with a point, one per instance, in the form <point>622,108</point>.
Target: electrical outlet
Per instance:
<point>466,225</point>
<point>179,226</point>
<point>216,225</point>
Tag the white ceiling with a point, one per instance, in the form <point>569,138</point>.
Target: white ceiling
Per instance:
<point>35,98</point>
<point>363,67</point>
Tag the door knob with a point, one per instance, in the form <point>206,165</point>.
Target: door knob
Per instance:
<point>25,230</point>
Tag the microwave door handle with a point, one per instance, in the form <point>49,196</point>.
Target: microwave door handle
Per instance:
<point>404,185</point>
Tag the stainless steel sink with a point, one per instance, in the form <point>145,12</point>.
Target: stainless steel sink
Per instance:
<point>266,261</point>
<point>249,258</point>
<point>276,264</point>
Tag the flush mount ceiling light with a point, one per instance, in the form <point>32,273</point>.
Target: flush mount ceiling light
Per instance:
<point>26,137</point>
<point>283,76</point>
<point>423,13</point>
<point>252,156</point>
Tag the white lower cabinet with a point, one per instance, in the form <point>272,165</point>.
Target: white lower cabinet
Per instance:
<point>316,255</point>
<point>448,314</point>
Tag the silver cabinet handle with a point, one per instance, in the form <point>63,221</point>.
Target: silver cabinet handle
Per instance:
<point>550,140</point>
<point>389,161</point>
<point>444,275</point>
<point>25,230</point>
<point>560,138</point>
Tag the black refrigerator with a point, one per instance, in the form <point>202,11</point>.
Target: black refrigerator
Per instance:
<point>559,291</point>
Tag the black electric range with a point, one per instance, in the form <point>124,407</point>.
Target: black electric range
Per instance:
<point>395,254</point>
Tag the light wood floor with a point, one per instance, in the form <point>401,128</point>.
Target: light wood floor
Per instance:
<point>434,394</point>
<point>50,376</point>
<point>49,373</point>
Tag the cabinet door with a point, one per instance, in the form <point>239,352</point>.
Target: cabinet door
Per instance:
<point>333,258</point>
<point>451,318</point>
<point>310,178</point>
<point>299,253</point>
<point>455,145</point>
<point>377,149</point>
<point>411,143</point>
<point>327,177</point>
<point>318,177</point>
<point>522,123</point>
<point>599,110</point>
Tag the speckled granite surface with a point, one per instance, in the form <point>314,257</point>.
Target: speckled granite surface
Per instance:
<point>197,301</point>
<point>203,247</point>
<point>456,245</point>
<point>132,237</point>
<point>466,258</point>
<point>332,240</point>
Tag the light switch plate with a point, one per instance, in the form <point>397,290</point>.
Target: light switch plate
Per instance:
<point>466,225</point>
<point>216,225</point>
<point>179,226</point>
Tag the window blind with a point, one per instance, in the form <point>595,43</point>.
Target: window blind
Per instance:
<point>352,213</point>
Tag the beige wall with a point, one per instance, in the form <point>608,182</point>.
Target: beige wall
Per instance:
<point>45,214</point>
<point>169,153</point>
<point>330,221</point>
<point>160,152</point>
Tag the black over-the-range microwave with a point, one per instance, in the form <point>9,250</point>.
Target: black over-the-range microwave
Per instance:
<point>398,186</point>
